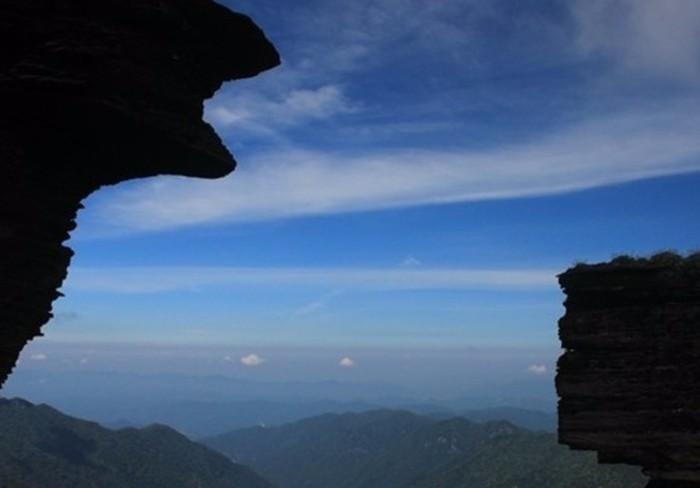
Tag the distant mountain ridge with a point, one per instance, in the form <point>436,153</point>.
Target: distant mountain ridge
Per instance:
<point>399,449</point>
<point>207,405</point>
<point>40,446</point>
<point>528,419</point>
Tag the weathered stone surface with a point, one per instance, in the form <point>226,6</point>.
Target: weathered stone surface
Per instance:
<point>629,380</point>
<point>93,93</point>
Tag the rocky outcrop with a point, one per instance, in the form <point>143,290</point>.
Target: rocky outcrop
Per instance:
<point>629,379</point>
<point>94,93</point>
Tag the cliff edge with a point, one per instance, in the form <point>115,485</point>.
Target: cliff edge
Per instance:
<point>629,379</point>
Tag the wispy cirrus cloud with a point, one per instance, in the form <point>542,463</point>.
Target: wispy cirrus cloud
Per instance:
<point>650,37</point>
<point>349,45</point>
<point>164,279</point>
<point>293,183</point>
<point>253,112</point>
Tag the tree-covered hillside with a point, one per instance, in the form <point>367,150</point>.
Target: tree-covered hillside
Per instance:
<point>398,449</point>
<point>39,446</point>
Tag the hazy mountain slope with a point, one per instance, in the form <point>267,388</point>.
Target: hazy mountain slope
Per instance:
<point>397,449</point>
<point>530,460</point>
<point>39,446</point>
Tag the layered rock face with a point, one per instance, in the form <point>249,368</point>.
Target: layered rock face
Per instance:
<point>629,380</point>
<point>94,93</point>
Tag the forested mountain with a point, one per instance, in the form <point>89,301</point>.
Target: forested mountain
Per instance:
<point>39,446</point>
<point>398,449</point>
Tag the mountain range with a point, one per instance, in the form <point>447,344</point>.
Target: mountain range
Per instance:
<point>382,448</point>
<point>399,449</point>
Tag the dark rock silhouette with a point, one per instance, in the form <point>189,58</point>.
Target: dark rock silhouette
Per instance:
<point>94,93</point>
<point>629,381</point>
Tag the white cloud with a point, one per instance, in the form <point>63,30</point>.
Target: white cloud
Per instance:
<point>39,357</point>
<point>346,362</point>
<point>659,37</point>
<point>537,369</point>
<point>164,279</point>
<point>293,183</point>
<point>252,360</point>
<point>84,361</point>
<point>410,262</point>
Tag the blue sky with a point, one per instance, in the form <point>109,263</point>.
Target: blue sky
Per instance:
<point>413,176</point>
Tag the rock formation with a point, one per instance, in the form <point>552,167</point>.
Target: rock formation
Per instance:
<point>94,93</point>
<point>629,380</point>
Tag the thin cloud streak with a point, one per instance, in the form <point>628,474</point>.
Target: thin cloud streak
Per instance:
<point>293,183</point>
<point>316,305</point>
<point>140,280</point>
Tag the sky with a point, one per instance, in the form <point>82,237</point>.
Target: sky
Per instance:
<point>412,177</point>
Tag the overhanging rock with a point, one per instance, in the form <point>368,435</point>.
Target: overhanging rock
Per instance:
<point>94,93</point>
